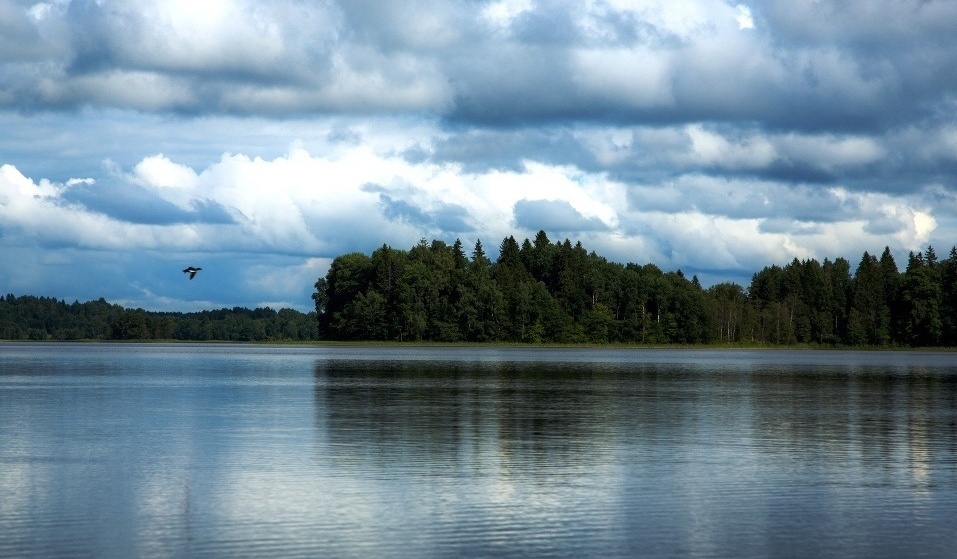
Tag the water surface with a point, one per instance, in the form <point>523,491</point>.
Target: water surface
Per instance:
<point>118,450</point>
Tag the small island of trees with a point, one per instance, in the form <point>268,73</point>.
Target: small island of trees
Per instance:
<point>544,292</point>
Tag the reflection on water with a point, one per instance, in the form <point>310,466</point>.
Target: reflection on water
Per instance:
<point>250,451</point>
<point>551,413</point>
<point>743,459</point>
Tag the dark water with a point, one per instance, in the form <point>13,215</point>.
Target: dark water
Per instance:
<point>251,451</point>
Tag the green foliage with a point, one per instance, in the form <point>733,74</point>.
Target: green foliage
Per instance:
<point>920,303</point>
<point>538,291</point>
<point>948,300</point>
<point>41,318</point>
<point>544,292</point>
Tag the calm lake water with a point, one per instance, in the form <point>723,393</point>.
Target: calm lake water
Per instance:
<point>263,451</point>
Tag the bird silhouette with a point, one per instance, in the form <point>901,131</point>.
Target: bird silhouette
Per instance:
<point>191,271</point>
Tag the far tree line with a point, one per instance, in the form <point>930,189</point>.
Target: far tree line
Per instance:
<point>45,318</point>
<point>539,291</point>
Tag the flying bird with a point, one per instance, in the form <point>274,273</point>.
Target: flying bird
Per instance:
<point>191,271</point>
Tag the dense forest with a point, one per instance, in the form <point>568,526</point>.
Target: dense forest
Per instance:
<point>44,318</point>
<point>541,291</point>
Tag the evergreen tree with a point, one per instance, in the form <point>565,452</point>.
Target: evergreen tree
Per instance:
<point>870,314</point>
<point>948,307</point>
<point>920,300</point>
<point>481,306</point>
<point>540,259</point>
<point>461,262</point>
<point>766,294</point>
<point>839,281</point>
<point>890,277</point>
<point>479,260</point>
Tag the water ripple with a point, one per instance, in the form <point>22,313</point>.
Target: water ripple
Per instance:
<point>115,451</point>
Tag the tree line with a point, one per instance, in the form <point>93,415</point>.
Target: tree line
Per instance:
<point>542,291</point>
<point>46,318</point>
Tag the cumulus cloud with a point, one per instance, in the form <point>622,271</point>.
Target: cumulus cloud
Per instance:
<point>159,171</point>
<point>703,134</point>
<point>309,207</point>
<point>503,62</point>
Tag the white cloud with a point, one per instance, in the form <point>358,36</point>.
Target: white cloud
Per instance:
<point>503,12</point>
<point>320,204</point>
<point>635,77</point>
<point>158,170</point>
<point>683,18</point>
<point>20,188</point>
<point>711,148</point>
<point>43,10</point>
<point>30,213</point>
<point>917,226</point>
<point>744,18</point>
<point>211,36</point>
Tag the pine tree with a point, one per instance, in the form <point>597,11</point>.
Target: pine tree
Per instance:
<point>869,303</point>
<point>948,308</point>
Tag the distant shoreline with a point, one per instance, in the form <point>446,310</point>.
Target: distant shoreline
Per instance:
<point>494,345</point>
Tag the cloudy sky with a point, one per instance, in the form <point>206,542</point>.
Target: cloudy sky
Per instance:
<point>259,140</point>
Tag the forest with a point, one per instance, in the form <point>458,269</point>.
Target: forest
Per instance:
<point>541,292</point>
<point>46,318</point>
<point>545,292</point>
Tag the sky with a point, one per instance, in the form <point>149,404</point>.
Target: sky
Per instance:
<point>260,140</point>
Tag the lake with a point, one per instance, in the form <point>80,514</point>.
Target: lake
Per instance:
<point>153,450</point>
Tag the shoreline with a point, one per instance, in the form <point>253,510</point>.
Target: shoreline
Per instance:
<point>493,345</point>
